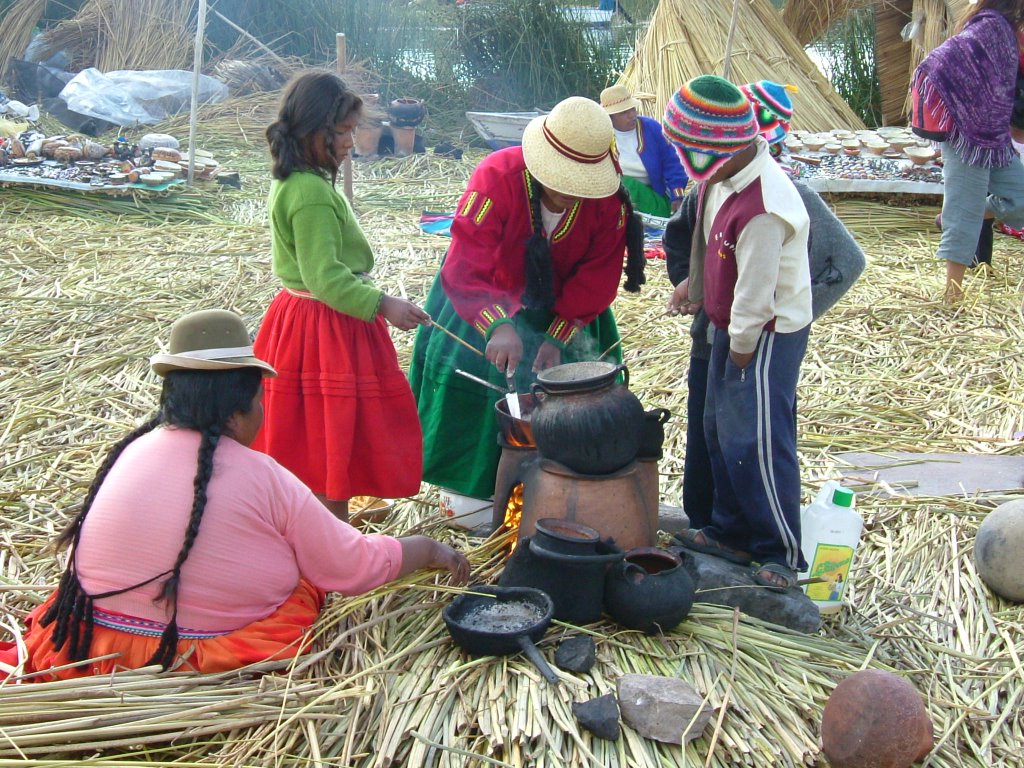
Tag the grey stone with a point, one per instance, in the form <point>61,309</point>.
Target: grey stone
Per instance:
<point>672,519</point>
<point>662,708</point>
<point>577,654</point>
<point>600,716</point>
<point>720,582</point>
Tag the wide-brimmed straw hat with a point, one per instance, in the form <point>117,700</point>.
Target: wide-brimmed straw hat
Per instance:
<point>708,121</point>
<point>569,149</point>
<point>617,98</point>
<point>209,340</point>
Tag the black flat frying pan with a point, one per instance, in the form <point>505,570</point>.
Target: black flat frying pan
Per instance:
<point>469,615</point>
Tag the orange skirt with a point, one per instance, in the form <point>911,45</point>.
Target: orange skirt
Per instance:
<point>278,636</point>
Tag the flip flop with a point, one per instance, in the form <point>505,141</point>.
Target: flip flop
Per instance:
<point>780,573</point>
<point>696,540</point>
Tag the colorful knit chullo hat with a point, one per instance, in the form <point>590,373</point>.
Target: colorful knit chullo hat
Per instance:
<point>773,107</point>
<point>708,121</point>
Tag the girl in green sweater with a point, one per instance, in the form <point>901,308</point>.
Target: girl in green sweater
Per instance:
<point>340,415</point>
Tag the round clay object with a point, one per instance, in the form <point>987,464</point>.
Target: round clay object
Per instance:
<point>875,719</point>
<point>997,549</point>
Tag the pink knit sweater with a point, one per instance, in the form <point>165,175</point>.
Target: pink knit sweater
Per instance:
<point>262,530</point>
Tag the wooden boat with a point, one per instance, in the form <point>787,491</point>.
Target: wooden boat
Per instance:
<point>501,129</point>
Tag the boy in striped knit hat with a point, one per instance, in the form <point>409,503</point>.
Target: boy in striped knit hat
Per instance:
<point>749,271</point>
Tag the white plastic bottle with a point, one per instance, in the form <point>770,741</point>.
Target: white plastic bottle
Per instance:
<point>830,533</point>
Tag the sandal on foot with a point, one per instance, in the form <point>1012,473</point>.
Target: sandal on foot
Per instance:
<point>696,540</point>
<point>774,576</point>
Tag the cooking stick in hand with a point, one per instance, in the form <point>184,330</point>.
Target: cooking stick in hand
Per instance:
<point>463,342</point>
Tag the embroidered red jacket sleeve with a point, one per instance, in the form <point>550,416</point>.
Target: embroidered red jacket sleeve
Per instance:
<point>476,275</point>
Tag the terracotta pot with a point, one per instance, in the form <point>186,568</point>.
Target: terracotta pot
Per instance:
<point>586,420</point>
<point>649,590</point>
<point>405,140</point>
<point>368,139</point>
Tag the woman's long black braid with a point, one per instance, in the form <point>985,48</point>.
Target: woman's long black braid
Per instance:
<point>72,607</point>
<point>539,290</point>
<point>200,400</point>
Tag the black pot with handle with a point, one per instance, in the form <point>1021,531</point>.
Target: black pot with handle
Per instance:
<point>649,590</point>
<point>573,580</point>
<point>585,420</point>
<point>490,621</point>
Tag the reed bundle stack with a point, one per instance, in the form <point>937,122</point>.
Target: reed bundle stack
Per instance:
<point>687,39</point>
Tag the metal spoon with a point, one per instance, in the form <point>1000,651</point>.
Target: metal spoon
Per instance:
<point>478,380</point>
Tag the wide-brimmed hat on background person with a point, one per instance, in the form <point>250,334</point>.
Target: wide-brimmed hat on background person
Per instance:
<point>209,340</point>
<point>568,150</point>
<point>618,98</point>
<point>708,121</point>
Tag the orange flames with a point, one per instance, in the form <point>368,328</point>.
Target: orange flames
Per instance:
<point>514,512</point>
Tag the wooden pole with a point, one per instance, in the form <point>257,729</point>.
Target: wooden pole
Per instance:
<point>346,164</point>
<point>197,64</point>
<point>727,62</point>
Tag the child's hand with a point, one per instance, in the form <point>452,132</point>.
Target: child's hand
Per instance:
<point>741,359</point>
<point>680,304</point>
<point>401,313</point>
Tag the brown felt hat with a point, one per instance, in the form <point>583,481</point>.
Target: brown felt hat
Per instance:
<point>209,340</point>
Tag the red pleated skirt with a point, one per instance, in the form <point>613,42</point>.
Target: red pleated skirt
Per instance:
<point>340,414</point>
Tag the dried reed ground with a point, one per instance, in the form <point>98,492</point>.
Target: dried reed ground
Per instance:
<point>88,297</point>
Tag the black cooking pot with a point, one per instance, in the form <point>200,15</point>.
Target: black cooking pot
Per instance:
<point>478,626</point>
<point>585,420</point>
<point>575,582</point>
<point>565,537</point>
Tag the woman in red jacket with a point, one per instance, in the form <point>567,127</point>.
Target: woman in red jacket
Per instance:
<point>537,252</point>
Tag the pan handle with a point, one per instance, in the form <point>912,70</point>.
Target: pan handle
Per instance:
<point>538,661</point>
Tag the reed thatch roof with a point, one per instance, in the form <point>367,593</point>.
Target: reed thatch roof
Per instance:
<point>808,19</point>
<point>687,39</point>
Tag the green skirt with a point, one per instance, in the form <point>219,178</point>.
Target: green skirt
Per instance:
<point>460,425</point>
<point>645,199</point>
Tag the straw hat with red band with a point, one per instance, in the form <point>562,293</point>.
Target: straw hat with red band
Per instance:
<point>209,340</point>
<point>569,149</point>
<point>708,121</point>
<point>617,98</point>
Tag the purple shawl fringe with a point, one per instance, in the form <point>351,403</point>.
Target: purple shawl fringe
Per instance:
<point>974,74</point>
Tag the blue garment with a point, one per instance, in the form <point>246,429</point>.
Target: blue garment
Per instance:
<point>664,169</point>
<point>750,427</point>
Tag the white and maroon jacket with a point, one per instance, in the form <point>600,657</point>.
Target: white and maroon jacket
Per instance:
<point>750,254</point>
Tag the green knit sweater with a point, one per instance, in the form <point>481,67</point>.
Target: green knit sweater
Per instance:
<point>317,245</point>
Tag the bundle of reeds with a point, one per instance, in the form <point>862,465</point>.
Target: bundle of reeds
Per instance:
<point>689,39</point>
<point>808,19</point>
<point>889,368</point>
<point>16,27</point>
<point>126,34</point>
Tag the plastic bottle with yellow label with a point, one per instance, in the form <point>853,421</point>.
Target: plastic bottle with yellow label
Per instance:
<point>830,533</point>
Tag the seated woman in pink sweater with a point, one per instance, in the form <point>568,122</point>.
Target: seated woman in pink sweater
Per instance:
<point>193,551</point>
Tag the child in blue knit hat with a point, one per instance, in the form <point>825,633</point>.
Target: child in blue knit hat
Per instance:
<point>748,270</point>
